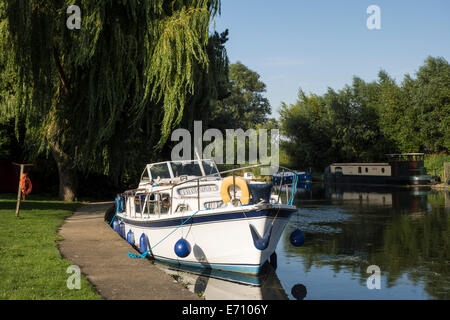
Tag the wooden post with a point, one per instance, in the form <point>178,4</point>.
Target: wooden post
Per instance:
<point>19,192</point>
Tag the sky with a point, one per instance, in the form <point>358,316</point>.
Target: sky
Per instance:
<point>317,44</point>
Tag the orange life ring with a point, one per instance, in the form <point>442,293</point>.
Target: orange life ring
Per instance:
<point>241,183</point>
<point>25,185</point>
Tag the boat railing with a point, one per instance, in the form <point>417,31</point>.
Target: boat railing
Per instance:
<point>154,203</point>
<point>142,204</point>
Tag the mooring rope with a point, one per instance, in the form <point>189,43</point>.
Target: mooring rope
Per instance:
<point>141,256</point>
<point>117,210</point>
<point>294,190</point>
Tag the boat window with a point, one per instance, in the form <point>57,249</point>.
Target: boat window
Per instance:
<point>183,207</point>
<point>186,169</point>
<point>152,206</point>
<point>338,170</point>
<point>359,170</point>
<point>213,205</point>
<point>210,168</point>
<point>160,171</point>
<point>367,170</point>
<point>165,203</point>
<point>382,170</point>
<point>145,177</point>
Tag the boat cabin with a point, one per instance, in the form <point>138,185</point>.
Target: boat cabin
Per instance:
<point>405,168</point>
<point>361,169</point>
<point>407,164</point>
<point>172,172</point>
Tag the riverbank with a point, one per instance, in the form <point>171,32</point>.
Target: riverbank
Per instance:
<point>440,187</point>
<point>101,255</point>
<point>31,266</point>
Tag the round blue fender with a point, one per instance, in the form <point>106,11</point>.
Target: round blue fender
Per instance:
<point>297,238</point>
<point>182,248</point>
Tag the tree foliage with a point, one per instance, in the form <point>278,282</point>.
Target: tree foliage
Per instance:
<point>245,106</point>
<point>98,96</point>
<point>364,121</point>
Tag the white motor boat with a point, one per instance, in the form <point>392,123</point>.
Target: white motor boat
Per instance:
<point>189,213</point>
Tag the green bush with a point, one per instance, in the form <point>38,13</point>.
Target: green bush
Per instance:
<point>435,163</point>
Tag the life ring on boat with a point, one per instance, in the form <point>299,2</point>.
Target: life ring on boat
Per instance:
<point>227,183</point>
<point>25,185</point>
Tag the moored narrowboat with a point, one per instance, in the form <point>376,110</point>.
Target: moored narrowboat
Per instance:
<point>401,169</point>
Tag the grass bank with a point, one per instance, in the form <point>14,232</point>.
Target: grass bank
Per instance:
<point>31,266</point>
<point>435,163</point>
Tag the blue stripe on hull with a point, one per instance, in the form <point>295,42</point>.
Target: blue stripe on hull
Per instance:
<point>283,213</point>
<point>252,269</point>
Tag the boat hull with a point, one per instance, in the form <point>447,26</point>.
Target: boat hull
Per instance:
<point>222,241</point>
<point>382,180</point>
<point>302,178</point>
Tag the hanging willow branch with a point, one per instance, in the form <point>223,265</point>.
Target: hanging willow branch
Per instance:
<point>132,64</point>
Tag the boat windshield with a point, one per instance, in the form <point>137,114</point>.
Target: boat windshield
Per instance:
<point>160,171</point>
<point>192,168</point>
<point>210,168</point>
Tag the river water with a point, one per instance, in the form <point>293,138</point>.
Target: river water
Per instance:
<point>401,232</point>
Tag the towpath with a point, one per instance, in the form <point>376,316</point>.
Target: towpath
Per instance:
<point>101,255</point>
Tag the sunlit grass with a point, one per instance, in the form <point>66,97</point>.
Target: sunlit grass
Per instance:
<point>31,266</point>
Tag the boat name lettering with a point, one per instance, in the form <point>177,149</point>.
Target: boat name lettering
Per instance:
<point>194,190</point>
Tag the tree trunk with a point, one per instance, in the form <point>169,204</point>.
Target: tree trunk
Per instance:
<point>66,171</point>
<point>67,182</point>
<point>67,177</point>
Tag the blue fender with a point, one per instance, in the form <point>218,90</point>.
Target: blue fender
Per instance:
<point>130,237</point>
<point>261,243</point>
<point>143,243</point>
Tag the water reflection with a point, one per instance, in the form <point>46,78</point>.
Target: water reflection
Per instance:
<point>404,231</point>
<point>299,291</point>
<point>221,285</point>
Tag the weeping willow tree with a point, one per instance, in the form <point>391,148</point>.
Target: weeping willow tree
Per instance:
<point>99,97</point>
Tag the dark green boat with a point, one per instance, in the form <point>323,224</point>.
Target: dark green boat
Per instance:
<point>401,169</point>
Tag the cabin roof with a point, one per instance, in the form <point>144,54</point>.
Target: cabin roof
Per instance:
<point>179,161</point>
<point>404,154</point>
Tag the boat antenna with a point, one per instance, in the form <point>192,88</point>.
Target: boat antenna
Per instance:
<point>200,162</point>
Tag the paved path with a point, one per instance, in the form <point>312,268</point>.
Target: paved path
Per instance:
<point>102,256</point>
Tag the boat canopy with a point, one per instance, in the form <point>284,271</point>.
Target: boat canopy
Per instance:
<point>182,169</point>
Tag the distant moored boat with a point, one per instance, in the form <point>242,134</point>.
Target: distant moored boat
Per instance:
<point>288,177</point>
<point>401,169</point>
